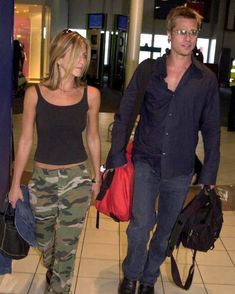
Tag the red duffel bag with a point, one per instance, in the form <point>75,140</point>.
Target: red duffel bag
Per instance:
<point>116,192</point>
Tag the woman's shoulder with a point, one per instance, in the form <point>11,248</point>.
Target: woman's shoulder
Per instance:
<point>31,92</point>
<point>93,92</point>
<point>31,96</point>
<point>93,97</point>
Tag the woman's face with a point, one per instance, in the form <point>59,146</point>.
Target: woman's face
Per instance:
<point>79,63</point>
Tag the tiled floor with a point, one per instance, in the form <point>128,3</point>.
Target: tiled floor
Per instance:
<point>101,251</point>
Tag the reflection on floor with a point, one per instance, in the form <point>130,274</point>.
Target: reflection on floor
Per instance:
<point>100,252</point>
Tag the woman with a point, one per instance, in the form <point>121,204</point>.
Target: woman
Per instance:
<point>61,107</point>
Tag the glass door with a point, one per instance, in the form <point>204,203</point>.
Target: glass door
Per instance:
<point>32,30</point>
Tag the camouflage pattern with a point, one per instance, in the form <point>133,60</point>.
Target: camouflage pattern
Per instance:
<point>59,200</point>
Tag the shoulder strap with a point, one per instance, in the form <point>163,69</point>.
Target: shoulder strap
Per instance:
<point>146,74</point>
<point>176,275</point>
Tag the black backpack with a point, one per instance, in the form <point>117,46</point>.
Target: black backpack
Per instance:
<point>197,227</point>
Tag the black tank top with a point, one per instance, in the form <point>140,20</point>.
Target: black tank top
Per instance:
<point>59,131</point>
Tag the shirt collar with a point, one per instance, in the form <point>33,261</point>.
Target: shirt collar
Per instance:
<point>160,67</point>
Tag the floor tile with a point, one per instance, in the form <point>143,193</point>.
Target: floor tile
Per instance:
<point>123,238</point>
<point>106,224</point>
<point>228,213</point>
<point>158,287</point>
<point>220,289</point>
<point>123,251</point>
<point>123,226</point>
<point>41,269</point>
<point>218,245</point>
<point>100,236</point>
<point>227,231</point>
<point>99,268</point>
<point>229,220</point>
<point>232,255</point>
<point>96,286</point>
<point>101,251</point>
<point>219,274</point>
<point>16,283</point>
<point>26,265</point>
<point>39,284</point>
<point>218,258</point>
<point>229,243</point>
<point>79,248</point>
<point>34,251</point>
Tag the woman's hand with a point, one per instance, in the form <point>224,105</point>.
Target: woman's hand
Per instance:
<point>14,195</point>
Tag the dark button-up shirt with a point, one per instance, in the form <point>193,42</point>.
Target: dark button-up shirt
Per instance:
<point>167,132</point>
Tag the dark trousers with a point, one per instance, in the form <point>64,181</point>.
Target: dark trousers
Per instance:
<point>141,263</point>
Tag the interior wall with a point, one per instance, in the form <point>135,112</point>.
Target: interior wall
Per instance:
<point>73,13</point>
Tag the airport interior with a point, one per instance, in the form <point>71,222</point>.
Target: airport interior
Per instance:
<point>106,23</point>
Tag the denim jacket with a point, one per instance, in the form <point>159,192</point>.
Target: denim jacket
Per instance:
<point>25,224</point>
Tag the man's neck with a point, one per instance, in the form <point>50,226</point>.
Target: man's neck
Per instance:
<point>178,61</point>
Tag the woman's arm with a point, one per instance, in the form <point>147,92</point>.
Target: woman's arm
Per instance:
<point>92,135</point>
<point>24,145</point>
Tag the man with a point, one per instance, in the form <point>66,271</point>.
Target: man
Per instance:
<point>181,98</point>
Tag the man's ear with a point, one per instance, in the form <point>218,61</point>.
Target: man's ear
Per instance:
<point>168,36</point>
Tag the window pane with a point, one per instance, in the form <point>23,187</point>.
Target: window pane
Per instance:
<point>203,45</point>
<point>144,55</point>
<point>161,41</point>
<point>146,39</point>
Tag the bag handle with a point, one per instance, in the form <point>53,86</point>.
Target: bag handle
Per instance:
<point>176,275</point>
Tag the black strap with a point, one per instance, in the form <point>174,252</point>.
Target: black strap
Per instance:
<point>106,182</point>
<point>176,275</point>
<point>97,220</point>
<point>145,78</point>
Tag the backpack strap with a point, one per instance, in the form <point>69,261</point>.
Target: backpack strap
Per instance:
<point>149,66</point>
<point>176,276</point>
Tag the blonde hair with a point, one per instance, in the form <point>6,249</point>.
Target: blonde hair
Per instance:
<point>182,11</point>
<point>60,44</point>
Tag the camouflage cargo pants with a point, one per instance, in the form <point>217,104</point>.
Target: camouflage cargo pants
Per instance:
<point>59,200</point>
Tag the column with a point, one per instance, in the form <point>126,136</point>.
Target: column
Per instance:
<point>133,47</point>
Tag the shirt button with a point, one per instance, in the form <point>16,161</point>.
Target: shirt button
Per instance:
<point>166,134</point>
<point>170,114</point>
<point>164,153</point>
